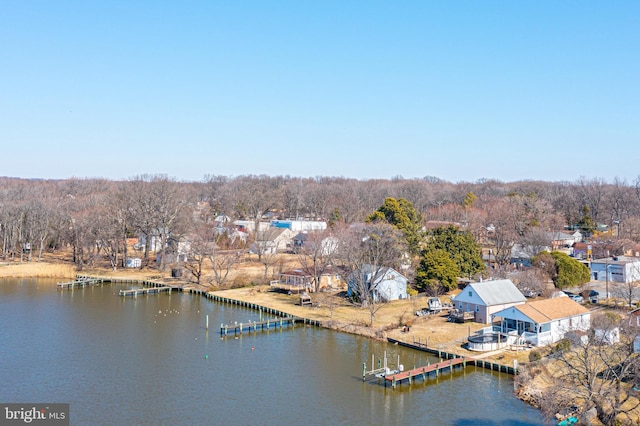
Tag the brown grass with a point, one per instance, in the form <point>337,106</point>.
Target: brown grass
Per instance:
<point>36,270</point>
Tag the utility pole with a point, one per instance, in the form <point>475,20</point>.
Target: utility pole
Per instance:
<point>606,272</point>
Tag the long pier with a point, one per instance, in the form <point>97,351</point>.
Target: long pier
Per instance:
<point>149,287</point>
<point>80,282</point>
<point>134,292</point>
<point>256,326</point>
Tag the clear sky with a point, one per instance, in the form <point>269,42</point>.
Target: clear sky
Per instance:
<point>460,90</point>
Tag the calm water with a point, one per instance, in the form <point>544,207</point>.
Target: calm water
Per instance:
<point>150,361</point>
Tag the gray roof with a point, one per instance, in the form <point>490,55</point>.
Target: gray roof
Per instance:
<point>497,292</point>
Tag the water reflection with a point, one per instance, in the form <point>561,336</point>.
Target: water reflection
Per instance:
<point>150,355</point>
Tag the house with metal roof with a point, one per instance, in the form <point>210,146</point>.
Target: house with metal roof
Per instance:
<point>544,321</point>
<point>487,297</point>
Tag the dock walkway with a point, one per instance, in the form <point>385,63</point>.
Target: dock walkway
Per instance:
<point>424,372</point>
<point>257,325</point>
<point>447,362</point>
<point>134,292</point>
<point>80,282</point>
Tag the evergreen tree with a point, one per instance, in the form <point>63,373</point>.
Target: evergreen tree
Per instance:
<point>461,247</point>
<point>401,214</point>
<point>563,270</point>
<point>586,224</point>
<point>571,272</point>
<point>436,270</point>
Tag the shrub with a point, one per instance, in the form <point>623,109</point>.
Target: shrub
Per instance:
<point>562,346</point>
<point>535,356</point>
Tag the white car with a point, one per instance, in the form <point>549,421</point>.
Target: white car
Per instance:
<point>575,297</point>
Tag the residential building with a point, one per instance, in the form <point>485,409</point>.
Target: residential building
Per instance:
<point>543,322</point>
<point>385,284</point>
<point>487,297</point>
<point>620,269</point>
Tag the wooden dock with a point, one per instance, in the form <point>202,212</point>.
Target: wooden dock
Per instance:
<point>256,326</point>
<point>423,372</point>
<point>134,292</point>
<point>447,361</point>
<point>80,282</point>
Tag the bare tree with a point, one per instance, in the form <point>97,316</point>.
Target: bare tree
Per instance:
<point>222,262</point>
<point>530,281</point>
<point>503,224</point>
<point>534,240</point>
<point>368,251</point>
<point>316,255</point>
<point>255,196</point>
<point>591,193</point>
<point>200,250</point>
<point>597,372</point>
<point>157,204</point>
<point>109,234</point>
<point>628,291</point>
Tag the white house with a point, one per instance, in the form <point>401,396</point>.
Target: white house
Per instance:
<point>544,321</point>
<point>272,240</point>
<point>328,245</point>
<point>561,241</point>
<point>388,284</point>
<point>488,297</point>
<point>249,226</point>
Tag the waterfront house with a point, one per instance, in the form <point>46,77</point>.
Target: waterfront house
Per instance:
<point>488,297</point>
<point>385,284</point>
<point>301,279</point>
<point>544,321</point>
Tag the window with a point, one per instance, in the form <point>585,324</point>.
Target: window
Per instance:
<point>470,294</point>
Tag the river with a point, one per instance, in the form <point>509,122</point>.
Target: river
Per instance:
<point>150,361</point>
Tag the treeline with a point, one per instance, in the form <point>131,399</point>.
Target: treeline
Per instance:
<point>94,217</point>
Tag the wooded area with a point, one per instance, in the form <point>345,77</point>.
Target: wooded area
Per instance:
<point>435,232</point>
<point>95,217</point>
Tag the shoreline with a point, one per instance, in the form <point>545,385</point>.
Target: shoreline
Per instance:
<point>440,334</point>
<point>389,320</point>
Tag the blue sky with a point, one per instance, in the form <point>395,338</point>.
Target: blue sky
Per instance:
<point>460,90</point>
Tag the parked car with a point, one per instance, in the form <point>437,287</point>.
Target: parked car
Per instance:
<point>575,297</point>
<point>593,296</point>
<point>530,293</point>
